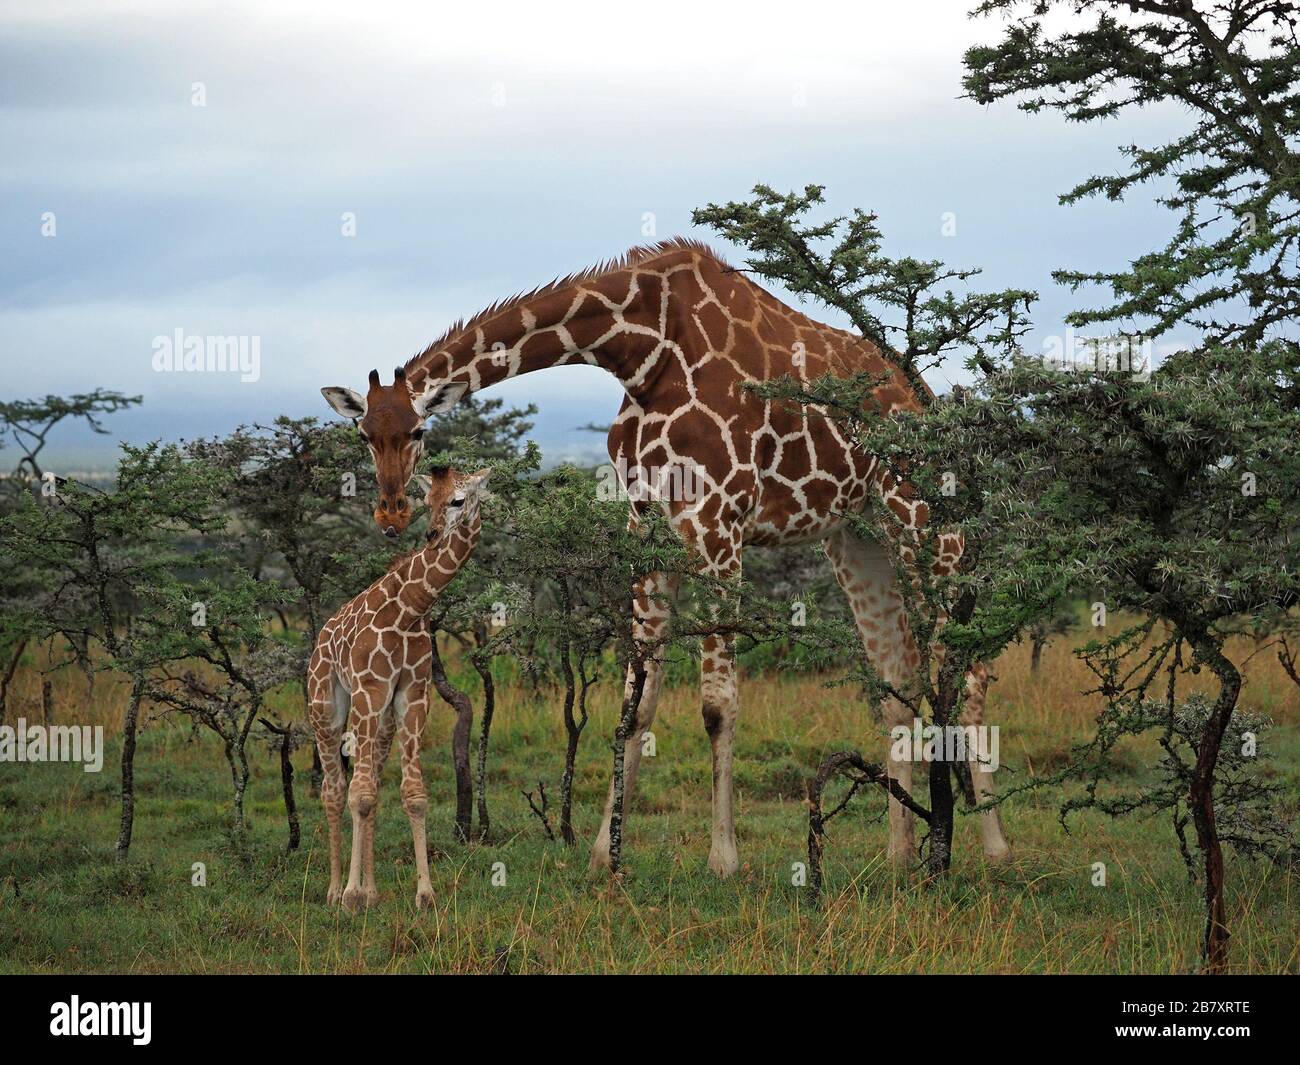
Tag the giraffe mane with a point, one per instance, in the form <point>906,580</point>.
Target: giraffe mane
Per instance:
<point>634,256</point>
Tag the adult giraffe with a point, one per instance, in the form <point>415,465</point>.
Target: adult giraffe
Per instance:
<point>683,332</point>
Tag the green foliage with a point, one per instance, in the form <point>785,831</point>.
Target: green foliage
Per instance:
<point>1246,803</point>
<point>151,572</point>
<point>1232,176</point>
<point>98,554</point>
<point>292,491</point>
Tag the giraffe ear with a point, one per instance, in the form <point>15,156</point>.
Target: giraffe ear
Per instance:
<point>345,402</point>
<point>439,398</point>
<point>477,485</point>
<point>425,483</point>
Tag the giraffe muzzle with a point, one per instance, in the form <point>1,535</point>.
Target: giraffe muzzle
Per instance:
<point>392,520</point>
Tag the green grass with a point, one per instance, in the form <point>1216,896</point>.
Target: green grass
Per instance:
<point>65,906</point>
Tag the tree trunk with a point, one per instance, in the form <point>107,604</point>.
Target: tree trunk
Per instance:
<point>47,701</point>
<point>1036,656</point>
<point>239,782</point>
<point>459,702</point>
<point>571,733</point>
<point>941,818</point>
<point>129,725</point>
<point>10,669</point>
<point>485,731</point>
<point>626,722</point>
<point>573,727</point>
<point>1214,943</point>
<point>942,802</point>
<point>285,733</point>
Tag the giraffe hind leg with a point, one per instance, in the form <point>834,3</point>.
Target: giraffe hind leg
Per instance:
<point>328,733</point>
<point>867,578</point>
<point>992,837</point>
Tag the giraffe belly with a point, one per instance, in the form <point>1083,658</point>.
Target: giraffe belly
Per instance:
<point>788,517</point>
<point>805,530</point>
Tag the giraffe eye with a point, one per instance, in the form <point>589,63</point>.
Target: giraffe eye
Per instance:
<point>456,503</point>
<point>417,434</point>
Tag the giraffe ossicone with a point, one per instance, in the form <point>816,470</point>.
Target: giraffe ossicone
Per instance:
<point>684,334</point>
<point>369,675</point>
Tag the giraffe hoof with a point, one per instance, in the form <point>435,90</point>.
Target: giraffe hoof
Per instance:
<point>998,855</point>
<point>599,859</point>
<point>424,899</point>
<point>355,900</point>
<point>334,896</point>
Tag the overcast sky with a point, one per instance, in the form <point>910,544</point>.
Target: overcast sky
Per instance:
<point>481,150</point>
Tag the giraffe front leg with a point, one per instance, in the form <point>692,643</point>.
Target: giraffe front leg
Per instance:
<point>333,795</point>
<point>996,847</point>
<point>721,708</point>
<point>902,822</point>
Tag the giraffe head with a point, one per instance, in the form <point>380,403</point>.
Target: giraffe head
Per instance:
<point>391,421</point>
<point>453,498</point>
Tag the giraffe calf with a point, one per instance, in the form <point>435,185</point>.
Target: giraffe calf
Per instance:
<point>370,673</point>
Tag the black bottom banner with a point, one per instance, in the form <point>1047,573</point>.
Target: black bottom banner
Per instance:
<point>144,1013</point>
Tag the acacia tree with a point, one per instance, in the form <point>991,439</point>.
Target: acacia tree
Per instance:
<point>1180,501</point>
<point>27,424</point>
<point>1174,491</point>
<point>205,643</point>
<point>99,554</point>
<point>1217,422</point>
<point>292,491</point>
<point>293,486</point>
<point>579,553</point>
<point>1232,176</point>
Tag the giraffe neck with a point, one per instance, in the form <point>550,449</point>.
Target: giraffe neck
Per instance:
<point>430,569</point>
<point>616,321</point>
